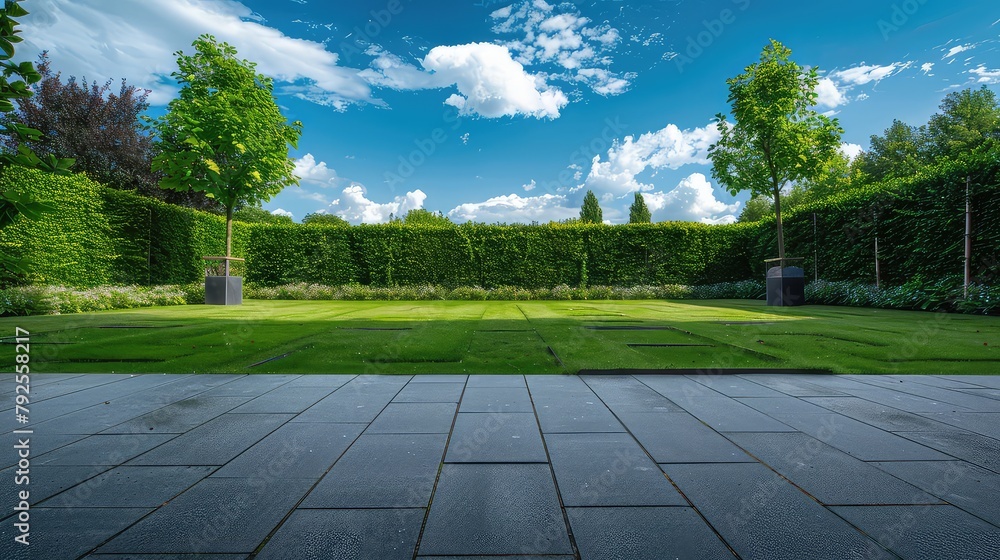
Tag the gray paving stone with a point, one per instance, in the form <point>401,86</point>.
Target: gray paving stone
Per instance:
<point>735,386</point>
<point>386,534</point>
<point>495,399</point>
<point>86,397</point>
<point>508,381</point>
<point>829,475</point>
<point>361,400</point>
<point>71,384</point>
<point>250,386</point>
<point>322,381</point>
<point>495,509</point>
<point>165,557</point>
<point>66,533</point>
<point>607,470</point>
<point>414,418</point>
<point>430,392</point>
<point>217,515</point>
<point>439,378</point>
<point>933,381</point>
<point>40,443</point>
<point>982,392</point>
<point>382,471</point>
<point>678,437</point>
<point>142,487</point>
<point>763,516</point>
<point>178,417</point>
<point>100,449</point>
<point>626,394</point>
<point>496,438</point>
<point>793,385</point>
<point>557,384</point>
<point>903,401</point>
<point>963,484</point>
<point>295,450</point>
<point>285,399</point>
<point>926,531</point>
<point>782,405</point>
<point>728,415</point>
<point>863,441</point>
<point>215,442</point>
<point>878,415</point>
<point>679,389</point>
<point>982,423</point>
<point>505,557</point>
<point>644,534</point>
<point>44,482</point>
<point>580,414</point>
<point>969,402</point>
<point>974,448</point>
<point>989,381</point>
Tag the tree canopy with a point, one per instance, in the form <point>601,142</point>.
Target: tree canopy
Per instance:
<point>639,213</point>
<point>225,135</point>
<point>591,212</point>
<point>421,216</point>
<point>777,138</point>
<point>318,219</point>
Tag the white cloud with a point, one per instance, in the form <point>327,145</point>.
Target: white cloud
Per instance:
<point>851,150</point>
<point>389,70</point>
<point>926,68</point>
<point>986,76</point>
<point>529,187</point>
<point>578,49</point>
<point>354,205</point>
<point>669,147</point>
<point>283,212</point>
<point>693,199</point>
<point>136,40</point>
<point>514,208</point>
<point>828,94</point>
<point>465,138</point>
<point>309,171</point>
<point>956,50</point>
<point>490,83</point>
<point>863,74</point>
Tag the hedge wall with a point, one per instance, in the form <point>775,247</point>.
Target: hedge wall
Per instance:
<point>100,236</point>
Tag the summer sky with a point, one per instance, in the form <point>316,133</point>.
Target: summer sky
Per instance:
<point>493,111</point>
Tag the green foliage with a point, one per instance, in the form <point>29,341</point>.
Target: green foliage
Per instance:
<point>900,152</point>
<point>638,213</point>
<point>777,137</point>
<point>421,216</point>
<point>968,118</point>
<point>225,135</point>
<point>946,294</point>
<point>56,300</point>
<point>317,219</point>
<point>257,215</point>
<point>591,212</point>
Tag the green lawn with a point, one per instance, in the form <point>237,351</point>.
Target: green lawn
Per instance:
<point>504,337</point>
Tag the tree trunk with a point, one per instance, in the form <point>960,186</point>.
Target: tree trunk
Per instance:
<point>229,236</point>
<point>781,235</point>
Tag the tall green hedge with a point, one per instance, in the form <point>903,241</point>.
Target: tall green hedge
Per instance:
<point>103,236</point>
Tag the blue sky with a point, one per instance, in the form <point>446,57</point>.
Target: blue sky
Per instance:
<point>501,111</point>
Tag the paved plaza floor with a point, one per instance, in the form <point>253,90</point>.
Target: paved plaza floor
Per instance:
<point>434,467</point>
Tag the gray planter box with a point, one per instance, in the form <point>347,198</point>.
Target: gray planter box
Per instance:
<point>786,286</point>
<point>223,290</point>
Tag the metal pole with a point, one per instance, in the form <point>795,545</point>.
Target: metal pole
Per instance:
<point>876,263</point>
<point>968,236</point>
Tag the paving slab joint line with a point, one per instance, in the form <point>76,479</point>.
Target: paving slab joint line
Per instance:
<point>437,476</point>
<point>665,475</point>
<point>552,473</point>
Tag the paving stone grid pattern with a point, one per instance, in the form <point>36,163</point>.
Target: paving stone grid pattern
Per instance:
<point>558,467</point>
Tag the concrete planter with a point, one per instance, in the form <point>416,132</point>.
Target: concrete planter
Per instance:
<point>223,290</point>
<point>786,286</point>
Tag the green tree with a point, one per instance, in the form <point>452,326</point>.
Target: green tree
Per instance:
<point>19,204</point>
<point>591,212</point>
<point>225,135</point>
<point>967,119</point>
<point>777,137</point>
<point>899,152</point>
<point>638,213</point>
<point>318,219</point>
<point>420,216</point>
<point>257,215</point>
